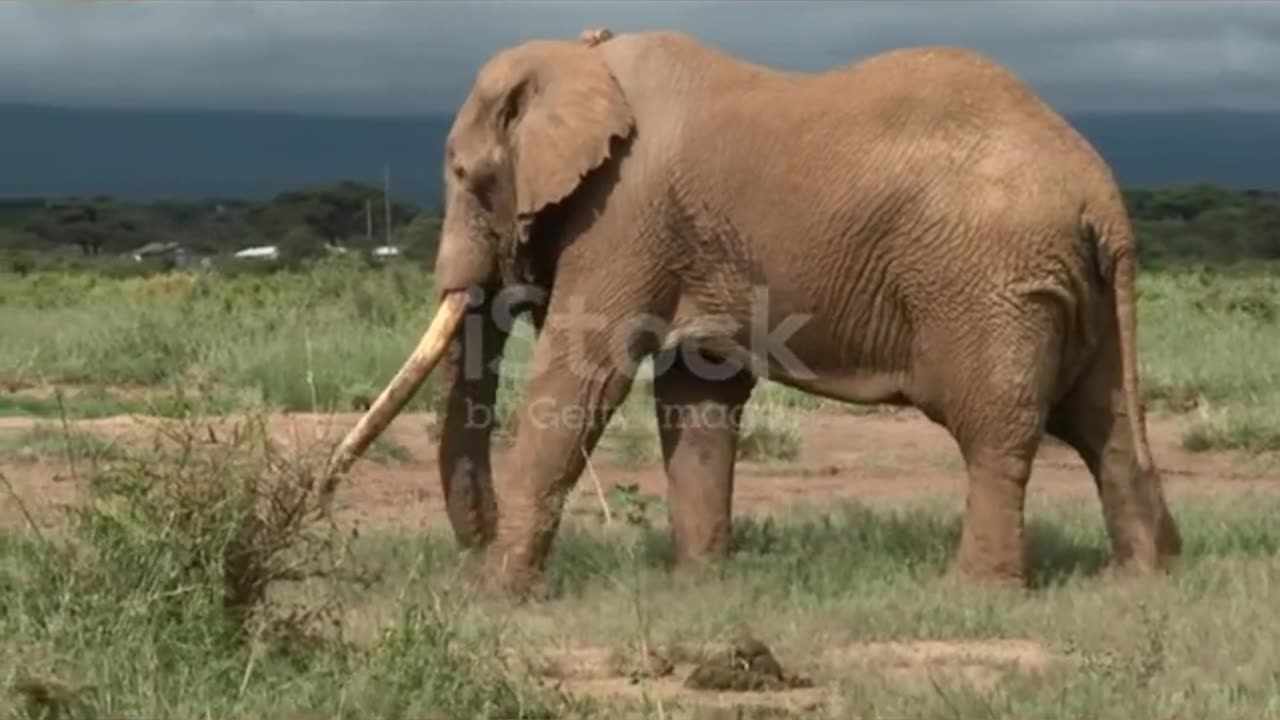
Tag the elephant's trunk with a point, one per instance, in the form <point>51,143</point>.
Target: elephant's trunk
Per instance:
<point>469,383</point>
<point>397,392</point>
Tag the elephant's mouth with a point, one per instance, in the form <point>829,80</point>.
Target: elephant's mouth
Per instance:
<point>415,370</point>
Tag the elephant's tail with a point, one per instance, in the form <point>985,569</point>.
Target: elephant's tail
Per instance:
<point>1119,251</point>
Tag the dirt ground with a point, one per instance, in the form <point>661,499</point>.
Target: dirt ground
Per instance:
<point>881,459</point>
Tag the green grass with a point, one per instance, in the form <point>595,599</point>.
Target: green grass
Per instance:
<point>123,614</point>
<point>1208,343</point>
<point>297,342</point>
<point>330,338</point>
<point>97,401</point>
<point>124,611</point>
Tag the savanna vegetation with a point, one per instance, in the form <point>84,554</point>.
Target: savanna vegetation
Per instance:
<point>189,583</point>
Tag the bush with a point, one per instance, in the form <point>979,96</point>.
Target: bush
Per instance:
<point>164,598</point>
<point>299,246</point>
<point>420,239</point>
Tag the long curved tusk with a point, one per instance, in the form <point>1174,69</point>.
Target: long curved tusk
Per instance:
<point>397,392</point>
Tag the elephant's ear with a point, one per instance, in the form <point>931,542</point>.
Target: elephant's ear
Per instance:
<point>564,118</point>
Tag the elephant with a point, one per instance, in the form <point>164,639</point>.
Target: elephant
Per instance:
<point>927,230</point>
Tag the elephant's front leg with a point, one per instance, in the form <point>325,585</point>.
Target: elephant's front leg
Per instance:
<point>470,390</point>
<point>699,405</point>
<point>574,389</point>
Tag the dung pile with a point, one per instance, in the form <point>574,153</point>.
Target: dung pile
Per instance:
<point>745,665</point>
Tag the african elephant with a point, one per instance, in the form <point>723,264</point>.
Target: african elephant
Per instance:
<point>946,240</point>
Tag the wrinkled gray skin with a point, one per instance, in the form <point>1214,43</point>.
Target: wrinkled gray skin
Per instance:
<point>954,244</point>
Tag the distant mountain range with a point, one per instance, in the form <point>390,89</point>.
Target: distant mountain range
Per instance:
<point>194,154</point>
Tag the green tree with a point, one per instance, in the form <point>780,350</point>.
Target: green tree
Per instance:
<point>335,212</point>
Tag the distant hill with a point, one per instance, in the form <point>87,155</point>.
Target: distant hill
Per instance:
<point>187,155</point>
<point>180,154</point>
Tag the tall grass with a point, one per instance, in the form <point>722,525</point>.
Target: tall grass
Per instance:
<point>184,587</point>
<point>197,580</point>
<point>1209,345</point>
<point>292,341</point>
<point>189,586</point>
<point>330,338</point>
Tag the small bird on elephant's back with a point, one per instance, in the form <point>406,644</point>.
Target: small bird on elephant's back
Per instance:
<point>916,227</point>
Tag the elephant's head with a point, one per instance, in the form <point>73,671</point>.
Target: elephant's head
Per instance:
<point>539,118</point>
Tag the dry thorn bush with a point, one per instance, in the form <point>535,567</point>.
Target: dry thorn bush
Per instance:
<point>219,501</point>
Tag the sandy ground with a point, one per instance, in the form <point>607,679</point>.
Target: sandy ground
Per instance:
<point>881,458</point>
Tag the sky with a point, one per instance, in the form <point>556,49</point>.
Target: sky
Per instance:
<point>407,56</point>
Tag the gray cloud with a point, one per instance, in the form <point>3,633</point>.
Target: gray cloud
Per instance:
<point>390,57</point>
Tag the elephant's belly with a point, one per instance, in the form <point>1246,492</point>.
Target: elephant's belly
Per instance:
<point>811,354</point>
<point>864,387</point>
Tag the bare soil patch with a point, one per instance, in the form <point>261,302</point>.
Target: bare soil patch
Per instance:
<point>744,673</point>
<point>982,664</point>
<point>887,458</point>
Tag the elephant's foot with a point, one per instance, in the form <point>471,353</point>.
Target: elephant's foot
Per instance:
<point>516,560</point>
<point>961,577</point>
<point>1137,567</point>
<point>699,564</point>
<point>689,559</point>
<point>1144,537</point>
<point>990,566</point>
<point>701,531</point>
<point>702,540</point>
<point>1145,548</point>
<point>473,531</point>
<point>512,575</point>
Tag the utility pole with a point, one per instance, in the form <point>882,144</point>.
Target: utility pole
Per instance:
<point>386,200</point>
<point>368,220</point>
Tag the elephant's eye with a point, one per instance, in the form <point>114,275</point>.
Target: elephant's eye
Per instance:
<point>482,185</point>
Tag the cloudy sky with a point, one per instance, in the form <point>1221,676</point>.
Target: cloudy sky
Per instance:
<point>389,57</point>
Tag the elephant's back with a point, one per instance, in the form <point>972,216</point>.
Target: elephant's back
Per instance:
<point>956,137</point>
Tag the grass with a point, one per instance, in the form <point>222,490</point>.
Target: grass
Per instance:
<point>328,340</point>
<point>189,585</point>
<point>1208,343</point>
<point>48,439</point>
<point>299,342</point>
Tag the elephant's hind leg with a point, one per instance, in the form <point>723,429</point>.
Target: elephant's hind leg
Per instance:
<point>1092,419</point>
<point>698,421</point>
<point>1001,381</point>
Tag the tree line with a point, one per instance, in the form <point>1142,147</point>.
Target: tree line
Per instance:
<point>1198,223</point>
<point>303,224</point>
